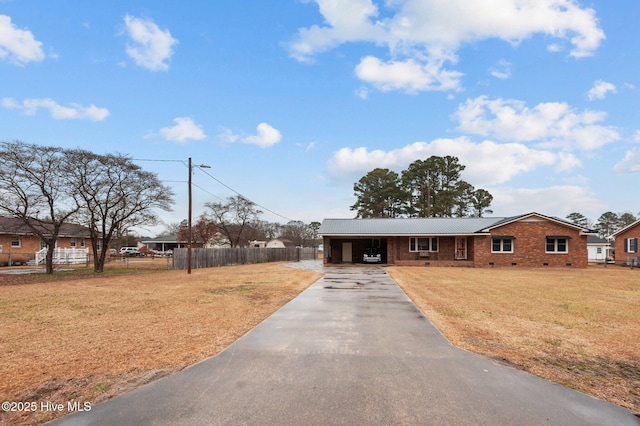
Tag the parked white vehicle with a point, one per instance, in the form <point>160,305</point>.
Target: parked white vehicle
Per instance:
<point>130,251</point>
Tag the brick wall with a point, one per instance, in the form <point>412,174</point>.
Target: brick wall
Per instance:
<point>29,245</point>
<point>621,256</point>
<point>529,246</point>
<point>446,251</point>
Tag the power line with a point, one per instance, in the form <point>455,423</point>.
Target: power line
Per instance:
<point>246,198</point>
<point>217,180</point>
<point>210,193</point>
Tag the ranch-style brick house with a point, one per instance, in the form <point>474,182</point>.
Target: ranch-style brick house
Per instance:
<point>528,240</point>
<point>18,244</point>
<point>626,244</point>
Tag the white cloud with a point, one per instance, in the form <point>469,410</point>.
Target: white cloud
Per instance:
<point>411,76</point>
<point>551,124</point>
<point>184,130</point>
<point>18,46</point>
<point>58,112</point>
<point>554,200</point>
<point>422,35</point>
<point>629,164</point>
<point>487,163</point>
<point>348,21</point>
<point>502,70</point>
<point>267,136</point>
<point>600,89</point>
<point>362,92</point>
<point>227,135</point>
<point>150,47</point>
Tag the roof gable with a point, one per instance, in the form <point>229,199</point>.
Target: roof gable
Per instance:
<point>626,228</point>
<point>539,217</point>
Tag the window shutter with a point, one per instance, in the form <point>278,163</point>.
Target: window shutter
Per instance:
<point>634,245</point>
<point>626,245</point>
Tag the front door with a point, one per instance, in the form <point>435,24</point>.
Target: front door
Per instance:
<point>461,248</point>
<point>347,249</point>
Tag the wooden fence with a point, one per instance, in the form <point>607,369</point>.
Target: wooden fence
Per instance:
<point>211,257</point>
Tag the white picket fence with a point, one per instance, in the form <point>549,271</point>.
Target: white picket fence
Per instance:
<point>64,256</point>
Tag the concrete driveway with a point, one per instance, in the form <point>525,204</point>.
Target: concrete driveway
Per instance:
<point>351,350</point>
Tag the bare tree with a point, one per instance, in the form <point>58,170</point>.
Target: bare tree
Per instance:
<point>34,188</point>
<point>299,232</point>
<point>234,219</point>
<point>267,230</point>
<point>203,231</point>
<point>175,227</point>
<point>113,194</point>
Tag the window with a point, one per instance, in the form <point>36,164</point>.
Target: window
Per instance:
<point>557,244</point>
<point>73,242</point>
<point>423,244</point>
<point>502,244</point>
<point>630,245</point>
<point>16,241</point>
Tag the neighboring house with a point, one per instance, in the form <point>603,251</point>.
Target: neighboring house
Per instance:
<point>257,244</point>
<point>280,243</point>
<point>164,243</point>
<point>598,249</point>
<point>529,240</point>
<point>19,245</point>
<point>626,244</point>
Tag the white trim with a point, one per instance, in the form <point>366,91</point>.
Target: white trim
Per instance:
<point>417,249</point>
<point>555,245</point>
<point>502,239</point>
<point>531,217</point>
<point>620,231</point>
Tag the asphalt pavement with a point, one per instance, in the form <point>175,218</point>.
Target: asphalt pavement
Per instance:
<point>352,349</point>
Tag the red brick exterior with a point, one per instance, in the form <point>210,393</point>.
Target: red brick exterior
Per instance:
<point>29,245</point>
<point>620,254</point>
<point>529,246</point>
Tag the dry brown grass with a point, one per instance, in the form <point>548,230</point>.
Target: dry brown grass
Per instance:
<point>579,328</point>
<point>88,338</point>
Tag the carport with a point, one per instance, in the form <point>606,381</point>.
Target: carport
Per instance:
<point>352,249</point>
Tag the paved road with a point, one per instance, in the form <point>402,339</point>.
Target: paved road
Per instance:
<point>351,350</point>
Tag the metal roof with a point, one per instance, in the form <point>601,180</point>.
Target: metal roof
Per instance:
<point>406,226</point>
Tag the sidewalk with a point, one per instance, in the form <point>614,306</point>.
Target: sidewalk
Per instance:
<point>351,350</point>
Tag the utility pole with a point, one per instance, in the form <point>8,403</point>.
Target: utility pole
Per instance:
<point>190,229</point>
<point>190,225</point>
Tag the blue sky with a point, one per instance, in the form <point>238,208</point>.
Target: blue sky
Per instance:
<point>291,104</point>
